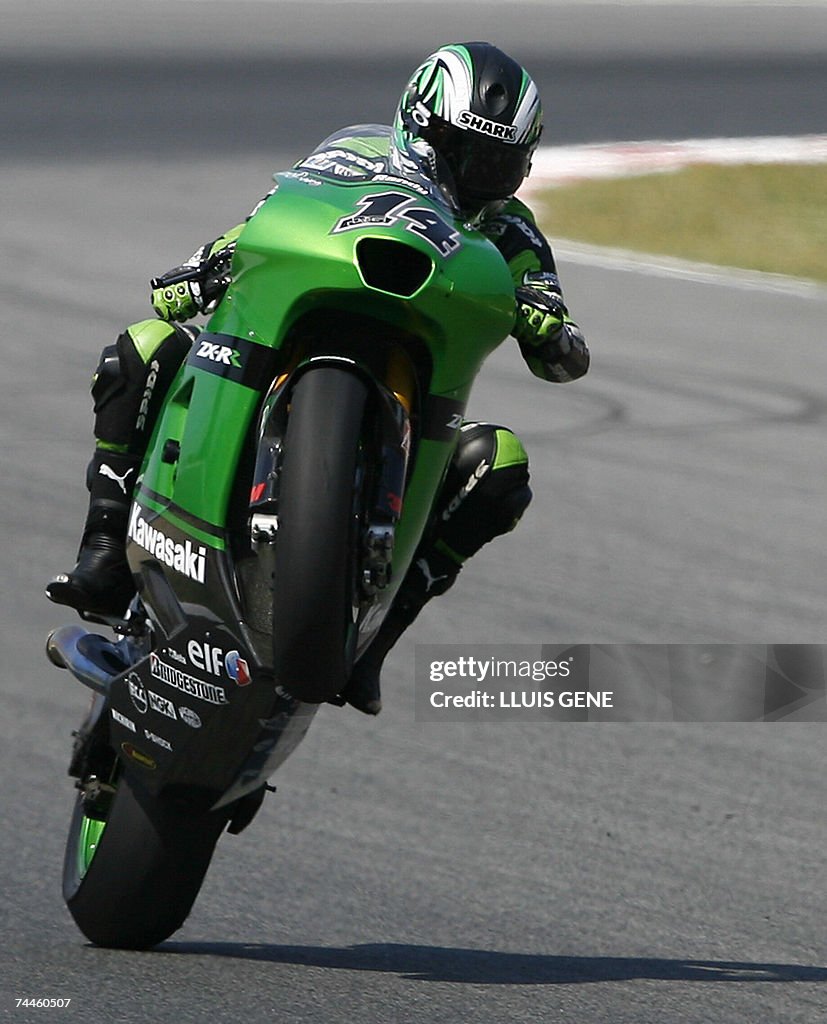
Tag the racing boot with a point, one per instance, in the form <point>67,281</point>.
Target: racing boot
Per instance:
<point>101,582</point>
<point>429,576</point>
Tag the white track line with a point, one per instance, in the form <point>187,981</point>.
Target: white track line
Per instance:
<point>561,165</point>
<point>568,251</point>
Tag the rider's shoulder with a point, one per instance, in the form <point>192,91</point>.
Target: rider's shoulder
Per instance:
<point>514,208</point>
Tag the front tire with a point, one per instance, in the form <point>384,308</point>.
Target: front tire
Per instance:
<point>130,882</point>
<point>317,557</point>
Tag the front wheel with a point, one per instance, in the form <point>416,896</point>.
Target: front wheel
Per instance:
<point>317,556</point>
<point>131,881</point>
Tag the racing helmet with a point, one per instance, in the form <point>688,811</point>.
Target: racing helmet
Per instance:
<point>479,113</point>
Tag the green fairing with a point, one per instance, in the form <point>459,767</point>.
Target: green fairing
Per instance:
<point>289,261</point>
<point>465,309</point>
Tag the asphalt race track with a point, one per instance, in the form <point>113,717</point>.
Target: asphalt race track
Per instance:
<point>632,874</point>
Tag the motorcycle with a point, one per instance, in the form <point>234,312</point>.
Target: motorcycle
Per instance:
<point>290,477</point>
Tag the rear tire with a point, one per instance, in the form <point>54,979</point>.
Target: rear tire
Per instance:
<point>129,884</point>
<point>317,557</point>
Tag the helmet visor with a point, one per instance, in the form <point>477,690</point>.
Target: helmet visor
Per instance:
<point>483,168</point>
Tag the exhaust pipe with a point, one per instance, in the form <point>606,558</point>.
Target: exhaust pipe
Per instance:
<point>92,659</point>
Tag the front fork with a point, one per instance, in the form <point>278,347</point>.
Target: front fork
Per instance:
<point>387,473</point>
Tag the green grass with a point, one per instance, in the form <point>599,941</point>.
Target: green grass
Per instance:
<point>768,217</point>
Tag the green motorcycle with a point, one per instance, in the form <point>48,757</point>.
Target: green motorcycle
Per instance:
<point>290,477</point>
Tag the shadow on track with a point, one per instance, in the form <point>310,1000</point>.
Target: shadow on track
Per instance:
<point>489,967</point>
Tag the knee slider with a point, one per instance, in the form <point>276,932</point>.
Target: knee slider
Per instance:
<point>486,490</point>
<point>132,378</point>
<point>147,336</point>
<point>109,378</point>
<point>509,478</point>
<point>489,460</point>
<point>122,366</point>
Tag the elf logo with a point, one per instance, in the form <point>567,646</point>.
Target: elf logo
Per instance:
<point>184,557</point>
<point>506,132</point>
<point>222,354</point>
<point>207,658</point>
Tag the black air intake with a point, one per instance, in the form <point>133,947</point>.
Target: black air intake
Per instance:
<point>392,266</point>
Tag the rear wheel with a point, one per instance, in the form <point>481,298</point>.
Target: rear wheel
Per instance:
<point>317,556</point>
<point>131,881</point>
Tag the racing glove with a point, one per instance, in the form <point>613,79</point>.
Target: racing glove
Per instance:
<point>197,285</point>
<point>551,343</point>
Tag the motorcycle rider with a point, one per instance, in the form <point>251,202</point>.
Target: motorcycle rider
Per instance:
<point>470,117</point>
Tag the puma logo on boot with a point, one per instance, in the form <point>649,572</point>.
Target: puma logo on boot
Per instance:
<point>110,473</point>
<point>430,580</point>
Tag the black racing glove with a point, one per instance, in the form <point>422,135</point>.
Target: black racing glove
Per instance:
<point>196,286</point>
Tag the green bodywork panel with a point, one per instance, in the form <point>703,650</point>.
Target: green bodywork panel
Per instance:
<point>464,310</point>
<point>297,254</point>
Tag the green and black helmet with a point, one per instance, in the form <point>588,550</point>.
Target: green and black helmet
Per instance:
<point>480,113</point>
